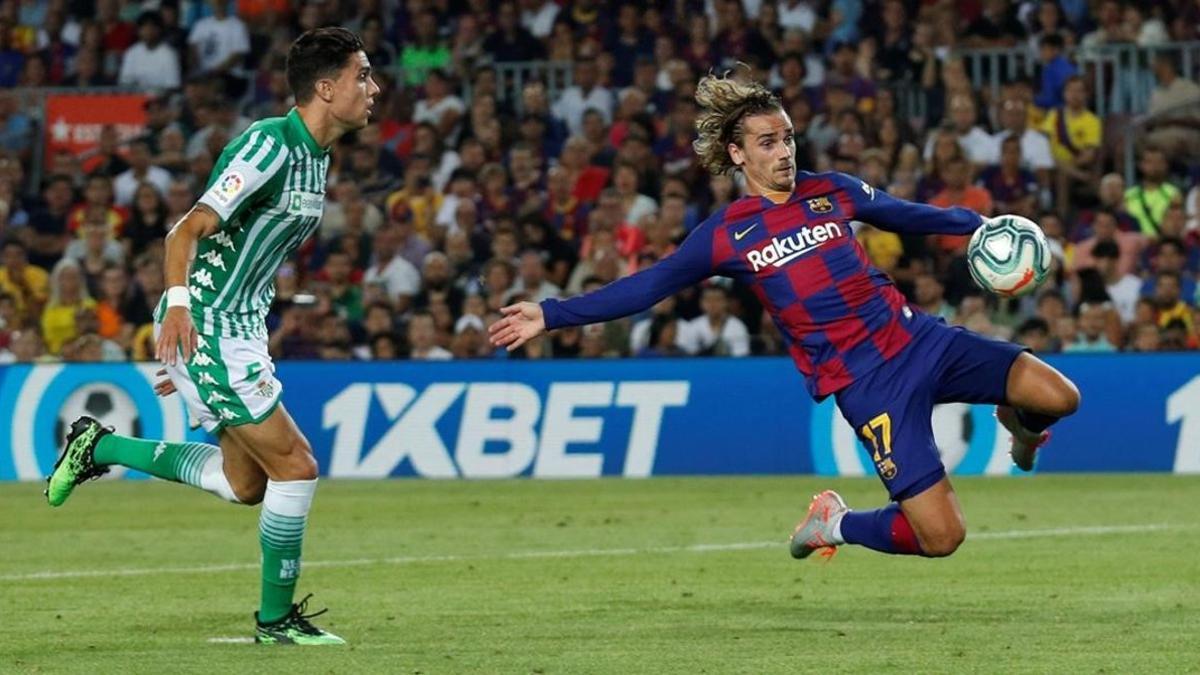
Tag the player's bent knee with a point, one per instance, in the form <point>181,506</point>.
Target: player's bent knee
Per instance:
<point>943,543</point>
<point>1066,398</point>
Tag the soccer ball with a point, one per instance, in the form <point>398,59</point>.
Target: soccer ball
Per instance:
<point>1008,256</point>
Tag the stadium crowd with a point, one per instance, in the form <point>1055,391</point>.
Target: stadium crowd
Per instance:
<point>449,206</point>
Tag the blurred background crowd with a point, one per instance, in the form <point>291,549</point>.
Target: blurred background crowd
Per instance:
<point>535,149</point>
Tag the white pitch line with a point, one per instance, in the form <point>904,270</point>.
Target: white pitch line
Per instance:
<point>231,640</point>
<point>568,553</point>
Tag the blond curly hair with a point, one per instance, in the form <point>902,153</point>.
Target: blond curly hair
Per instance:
<point>725,101</point>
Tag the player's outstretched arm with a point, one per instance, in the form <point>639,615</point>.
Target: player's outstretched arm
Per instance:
<point>897,215</point>
<point>690,263</point>
<point>178,332</point>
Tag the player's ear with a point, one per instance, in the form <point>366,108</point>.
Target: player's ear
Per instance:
<point>736,154</point>
<point>324,89</point>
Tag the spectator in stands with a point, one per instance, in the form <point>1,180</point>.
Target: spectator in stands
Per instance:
<point>1170,257</point>
<point>716,331</point>
<point>641,337</point>
<point>380,52</point>
<point>12,58</point>
<point>111,301</point>
<point>1174,123</point>
<point>975,142</point>
<point>94,250</point>
<point>1112,199</point>
<point>48,225</point>
<point>1104,228</point>
<point>440,108</point>
<point>584,94</point>
<point>1090,337</point>
<point>219,45</point>
<point>996,26</point>
<point>147,291</point>
<point>422,339</point>
<point>1147,201</point>
<point>140,171</point>
<point>1035,147</point>
<point>1123,289</point>
<point>16,127</point>
<point>89,70</point>
<point>398,276</point>
<point>27,284</point>
<point>1034,333</point>
<point>1168,302</point>
<point>509,40</point>
<point>1014,188</point>
<point>1109,28</point>
<point>531,279</point>
<point>150,63</point>
<point>425,52</point>
<point>68,293</point>
<point>929,295</point>
<point>107,160</point>
<point>1056,70</point>
<point>1075,134</point>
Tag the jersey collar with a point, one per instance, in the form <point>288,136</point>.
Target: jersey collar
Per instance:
<point>301,129</point>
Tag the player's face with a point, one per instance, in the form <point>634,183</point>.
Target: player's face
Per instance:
<point>354,92</point>
<point>767,154</point>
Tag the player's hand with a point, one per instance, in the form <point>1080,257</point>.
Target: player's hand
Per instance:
<point>177,334</point>
<point>164,387</point>
<point>521,323</point>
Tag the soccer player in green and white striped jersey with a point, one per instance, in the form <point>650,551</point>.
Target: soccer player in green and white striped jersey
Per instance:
<point>264,198</point>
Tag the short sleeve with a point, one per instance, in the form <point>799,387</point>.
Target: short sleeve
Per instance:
<point>256,158</point>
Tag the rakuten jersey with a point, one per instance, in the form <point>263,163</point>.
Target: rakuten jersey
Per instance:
<point>841,317</point>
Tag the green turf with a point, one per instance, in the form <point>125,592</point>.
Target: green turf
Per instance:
<point>1075,603</point>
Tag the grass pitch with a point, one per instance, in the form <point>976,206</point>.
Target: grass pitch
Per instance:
<point>1058,575</point>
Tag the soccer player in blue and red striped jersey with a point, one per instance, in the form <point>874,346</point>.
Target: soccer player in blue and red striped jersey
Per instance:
<point>849,330</point>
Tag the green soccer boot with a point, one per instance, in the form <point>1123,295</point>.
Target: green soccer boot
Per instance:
<point>76,464</point>
<point>294,629</point>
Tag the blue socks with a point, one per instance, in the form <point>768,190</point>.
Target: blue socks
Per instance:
<point>886,530</point>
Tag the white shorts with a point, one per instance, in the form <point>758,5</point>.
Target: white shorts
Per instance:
<point>228,382</point>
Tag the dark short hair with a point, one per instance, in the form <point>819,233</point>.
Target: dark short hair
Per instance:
<point>1106,248</point>
<point>150,18</point>
<point>1052,40</point>
<point>1033,325</point>
<point>1175,243</point>
<point>316,55</point>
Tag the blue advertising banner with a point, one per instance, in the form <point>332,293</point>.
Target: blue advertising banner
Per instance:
<point>632,418</point>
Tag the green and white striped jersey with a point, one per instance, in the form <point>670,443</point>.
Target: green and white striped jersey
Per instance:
<point>268,187</point>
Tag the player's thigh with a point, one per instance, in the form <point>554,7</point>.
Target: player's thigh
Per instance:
<point>1036,386</point>
<point>242,470</point>
<point>277,445</point>
<point>975,369</point>
<point>891,416</point>
<point>936,518</point>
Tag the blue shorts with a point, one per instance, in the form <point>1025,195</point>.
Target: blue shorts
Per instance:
<point>890,409</point>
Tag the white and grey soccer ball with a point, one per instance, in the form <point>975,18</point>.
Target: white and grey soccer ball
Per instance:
<point>109,404</point>
<point>1009,256</point>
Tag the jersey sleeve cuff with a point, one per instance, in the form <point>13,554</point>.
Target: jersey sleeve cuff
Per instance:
<point>222,212</point>
<point>551,314</point>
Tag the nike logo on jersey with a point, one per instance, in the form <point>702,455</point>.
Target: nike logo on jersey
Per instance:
<point>737,236</point>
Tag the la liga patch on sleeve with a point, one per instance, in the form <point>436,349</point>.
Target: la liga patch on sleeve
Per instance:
<point>228,187</point>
